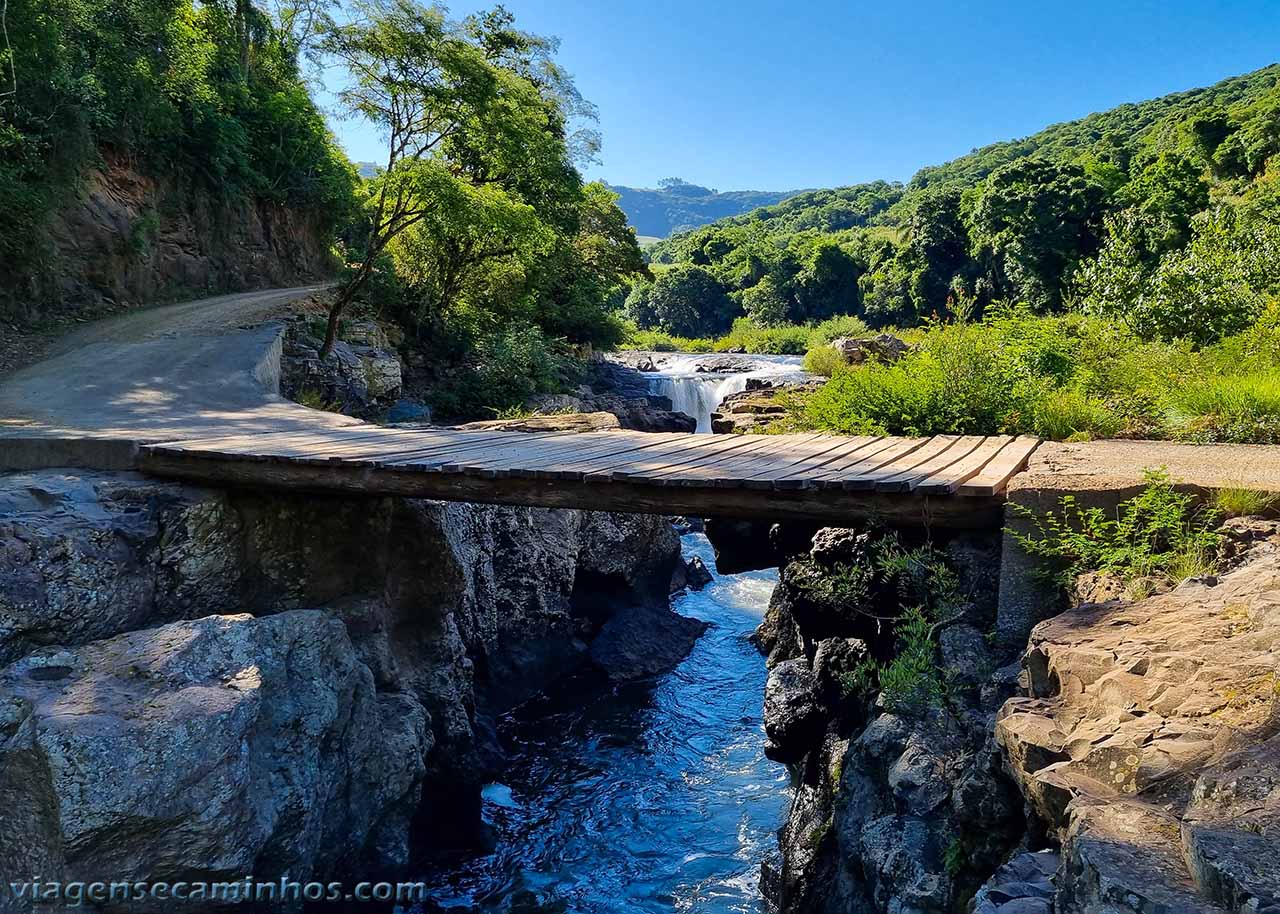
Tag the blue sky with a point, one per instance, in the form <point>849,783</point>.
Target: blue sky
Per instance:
<point>818,93</point>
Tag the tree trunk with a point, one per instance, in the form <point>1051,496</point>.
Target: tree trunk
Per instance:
<point>242,33</point>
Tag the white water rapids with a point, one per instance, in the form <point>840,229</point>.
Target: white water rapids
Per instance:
<point>698,393</point>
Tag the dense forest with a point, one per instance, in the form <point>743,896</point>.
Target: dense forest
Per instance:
<point>675,205</point>
<point>1121,212</point>
<point>477,234</point>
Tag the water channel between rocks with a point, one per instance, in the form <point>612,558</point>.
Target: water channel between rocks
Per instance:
<point>652,796</point>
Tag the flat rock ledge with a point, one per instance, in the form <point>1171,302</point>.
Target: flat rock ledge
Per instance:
<point>1147,744</point>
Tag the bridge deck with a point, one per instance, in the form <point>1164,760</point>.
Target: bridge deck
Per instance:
<point>947,480</point>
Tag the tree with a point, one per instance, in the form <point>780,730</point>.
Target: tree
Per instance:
<point>418,80</point>
<point>689,301</point>
<point>827,285</point>
<point>766,304</point>
<point>1030,223</point>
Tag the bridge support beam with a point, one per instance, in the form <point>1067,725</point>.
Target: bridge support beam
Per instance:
<point>831,507</point>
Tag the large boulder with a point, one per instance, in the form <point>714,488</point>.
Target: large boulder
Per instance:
<point>206,750</point>
<point>884,347</point>
<point>794,715</point>
<point>465,609</point>
<point>1147,747</point>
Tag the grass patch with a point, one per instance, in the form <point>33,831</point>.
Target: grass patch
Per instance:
<point>1234,501</point>
<point>1066,377</point>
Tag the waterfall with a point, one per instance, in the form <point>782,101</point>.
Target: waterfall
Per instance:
<point>698,393</point>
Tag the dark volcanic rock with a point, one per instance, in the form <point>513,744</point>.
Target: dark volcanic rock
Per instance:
<point>644,640</point>
<point>794,716</point>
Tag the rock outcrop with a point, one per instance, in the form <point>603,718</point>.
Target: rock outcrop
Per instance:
<point>903,809</point>
<point>884,347</point>
<point>130,237</point>
<point>221,746</point>
<point>214,680</point>
<point>1147,743</point>
<point>361,377</point>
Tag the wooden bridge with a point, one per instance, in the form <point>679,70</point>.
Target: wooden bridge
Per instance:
<point>945,480</point>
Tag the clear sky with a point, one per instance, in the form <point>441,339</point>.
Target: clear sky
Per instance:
<point>818,93</point>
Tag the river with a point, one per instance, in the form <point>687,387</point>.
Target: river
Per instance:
<point>648,797</point>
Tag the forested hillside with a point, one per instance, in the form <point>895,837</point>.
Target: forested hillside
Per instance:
<point>1121,212</point>
<point>676,205</point>
<point>151,149</point>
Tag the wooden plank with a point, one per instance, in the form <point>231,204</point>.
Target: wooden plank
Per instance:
<point>707,472</point>
<point>838,461</point>
<point>898,460</point>
<point>668,447</point>
<point>906,478</point>
<point>285,439</point>
<point>995,476</point>
<point>787,451</point>
<point>437,455</point>
<point>792,476</point>
<point>503,458</point>
<point>717,448</point>
<point>948,480</point>
<point>865,463</point>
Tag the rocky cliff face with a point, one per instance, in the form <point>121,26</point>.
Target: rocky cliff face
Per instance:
<point>1146,743</point>
<point>215,683</point>
<point>1128,762</point>
<point>896,808</point>
<point>135,238</point>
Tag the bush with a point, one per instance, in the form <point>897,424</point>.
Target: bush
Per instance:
<point>1067,413</point>
<point>747,336</point>
<point>824,361</point>
<point>958,381</point>
<point>833,328</point>
<point>1158,535</point>
<point>1240,408</point>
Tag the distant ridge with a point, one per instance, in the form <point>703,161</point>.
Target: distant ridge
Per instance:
<point>675,205</point>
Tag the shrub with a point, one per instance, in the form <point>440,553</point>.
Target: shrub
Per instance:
<point>1067,413</point>
<point>959,381</point>
<point>833,328</point>
<point>747,336</point>
<point>1228,408</point>
<point>823,360</point>
<point>1156,535</point>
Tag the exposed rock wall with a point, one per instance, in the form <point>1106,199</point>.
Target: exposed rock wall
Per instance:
<point>132,237</point>
<point>1147,745</point>
<point>894,811</point>
<point>1128,762</point>
<point>208,682</point>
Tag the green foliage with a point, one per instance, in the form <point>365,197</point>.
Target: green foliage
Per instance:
<point>1156,535</point>
<point>684,301</point>
<point>955,859</point>
<point>1236,501</point>
<point>1215,287</point>
<point>498,371</point>
<point>1240,408</point>
<point>766,305</point>
<point>929,589</point>
<point>1067,377</point>
<point>162,85</point>
<point>823,361</point>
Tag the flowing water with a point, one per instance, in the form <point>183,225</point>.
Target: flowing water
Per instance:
<point>647,797</point>
<point>696,393</point>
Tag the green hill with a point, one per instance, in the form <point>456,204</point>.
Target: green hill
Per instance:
<point>1084,210</point>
